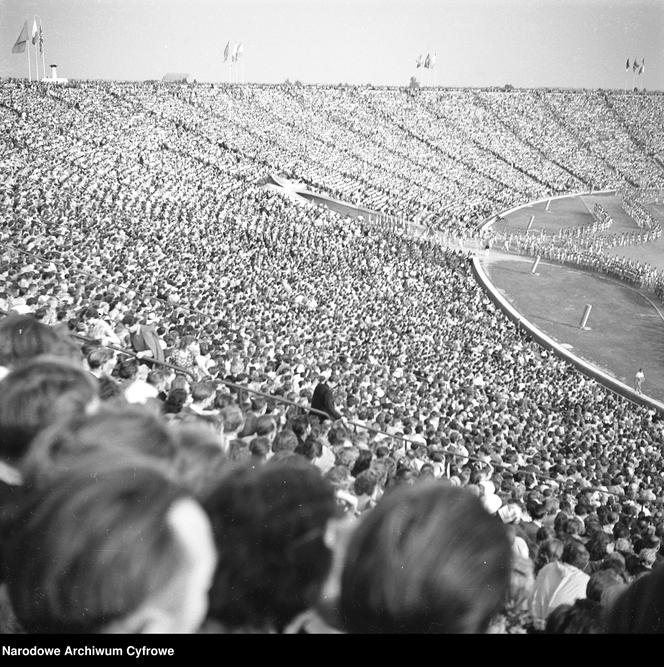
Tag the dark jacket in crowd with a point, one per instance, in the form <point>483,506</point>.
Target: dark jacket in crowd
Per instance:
<point>323,400</point>
<point>146,339</point>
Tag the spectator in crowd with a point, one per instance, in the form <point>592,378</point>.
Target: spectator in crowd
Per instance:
<point>414,566</point>
<point>119,430</point>
<point>22,337</point>
<point>323,398</point>
<point>101,362</point>
<point>583,617</point>
<point>85,524</point>
<point>560,582</point>
<point>603,585</point>
<point>270,525</point>
<point>33,396</point>
<point>638,610</point>
<point>143,339</point>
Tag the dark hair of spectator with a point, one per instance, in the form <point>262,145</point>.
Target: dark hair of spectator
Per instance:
<point>90,547</point>
<point>584,617</point>
<point>427,559</point>
<point>22,337</point>
<point>35,395</point>
<point>286,440</point>
<point>120,431</point>
<point>269,524</point>
<point>574,553</point>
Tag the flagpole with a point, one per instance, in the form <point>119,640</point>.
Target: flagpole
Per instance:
<point>41,48</point>
<point>36,57</point>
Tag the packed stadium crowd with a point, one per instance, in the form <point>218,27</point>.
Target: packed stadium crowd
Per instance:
<point>170,320</point>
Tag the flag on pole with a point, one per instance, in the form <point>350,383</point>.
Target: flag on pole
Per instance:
<point>41,39</point>
<point>419,60</point>
<point>22,40</point>
<point>635,66</point>
<point>235,49</point>
<point>239,51</point>
<point>643,66</point>
<point>227,51</point>
<point>432,62</point>
<point>35,32</point>
<point>627,66</point>
<point>427,61</point>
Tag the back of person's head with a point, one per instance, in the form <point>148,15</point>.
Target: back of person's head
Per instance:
<point>363,462</point>
<point>118,549</point>
<point>535,508</point>
<point>22,338</point>
<point>269,523</point>
<point>202,391</point>
<point>285,440</point>
<point>365,483</point>
<point>545,533</point>
<point>347,456</point>
<point>120,431</point>
<point>584,617</point>
<point>37,394</point>
<point>574,553</point>
<point>233,418</point>
<point>175,400</point>
<point>427,559</point>
<point>573,527</point>
<point>600,582</point>
<point>311,448</point>
<point>265,425</point>
<point>598,545</point>
<point>128,368</point>
<point>200,461</point>
<point>259,448</point>
<point>640,608</point>
<point>98,357</point>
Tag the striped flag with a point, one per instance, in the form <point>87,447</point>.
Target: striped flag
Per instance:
<point>643,66</point>
<point>21,40</point>
<point>427,61</point>
<point>627,66</point>
<point>227,51</point>
<point>41,39</point>
<point>35,32</point>
<point>239,51</point>
<point>419,60</point>
<point>635,65</point>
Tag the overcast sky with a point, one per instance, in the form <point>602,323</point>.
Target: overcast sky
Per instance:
<point>577,43</point>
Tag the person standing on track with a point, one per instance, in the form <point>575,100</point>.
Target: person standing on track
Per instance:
<point>638,380</point>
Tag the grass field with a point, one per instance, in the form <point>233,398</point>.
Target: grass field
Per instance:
<point>627,330</point>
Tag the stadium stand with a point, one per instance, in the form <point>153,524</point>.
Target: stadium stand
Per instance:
<point>139,241</point>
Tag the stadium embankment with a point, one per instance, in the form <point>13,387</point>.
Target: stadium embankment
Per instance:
<point>301,191</point>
